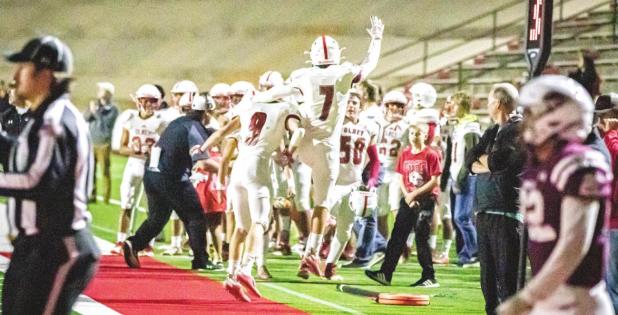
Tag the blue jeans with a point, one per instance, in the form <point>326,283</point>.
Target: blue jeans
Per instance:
<point>369,240</point>
<point>464,211</point>
<point>611,275</point>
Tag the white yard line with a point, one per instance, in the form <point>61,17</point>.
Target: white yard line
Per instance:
<point>311,298</point>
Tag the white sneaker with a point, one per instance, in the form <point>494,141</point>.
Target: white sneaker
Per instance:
<point>172,251</point>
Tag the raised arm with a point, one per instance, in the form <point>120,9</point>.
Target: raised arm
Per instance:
<point>373,53</point>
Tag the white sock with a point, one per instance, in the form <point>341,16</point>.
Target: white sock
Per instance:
<point>336,248</point>
<point>121,237</point>
<point>432,241</point>
<point>151,243</point>
<point>285,222</point>
<point>232,266</point>
<point>447,246</point>
<point>410,240</point>
<point>313,241</point>
<point>248,263</point>
<point>176,241</point>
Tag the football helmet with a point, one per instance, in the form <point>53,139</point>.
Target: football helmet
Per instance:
<point>147,91</point>
<point>555,106</point>
<point>220,89</point>
<point>188,99</point>
<point>363,201</point>
<point>241,88</point>
<point>185,86</point>
<point>423,95</point>
<point>394,97</point>
<point>325,51</point>
<point>269,79</point>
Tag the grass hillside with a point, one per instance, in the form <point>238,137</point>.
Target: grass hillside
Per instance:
<point>132,42</point>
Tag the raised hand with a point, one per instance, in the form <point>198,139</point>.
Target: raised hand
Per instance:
<point>377,28</point>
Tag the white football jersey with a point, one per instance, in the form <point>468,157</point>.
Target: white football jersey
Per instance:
<point>144,133</point>
<point>393,137</point>
<point>355,138</point>
<point>169,114</point>
<point>324,93</point>
<point>262,126</point>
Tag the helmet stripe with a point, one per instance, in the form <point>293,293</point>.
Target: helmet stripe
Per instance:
<point>324,46</point>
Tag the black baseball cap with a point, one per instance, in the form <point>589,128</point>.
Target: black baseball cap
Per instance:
<point>605,103</point>
<point>47,52</point>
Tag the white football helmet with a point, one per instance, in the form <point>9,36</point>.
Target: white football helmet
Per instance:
<point>395,97</point>
<point>147,91</point>
<point>220,89</point>
<point>363,202</point>
<point>187,100</point>
<point>241,88</point>
<point>423,95</point>
<point>269,79</point>
<point>325,51</point>
<point>185,86</point>
<point>555,105</point>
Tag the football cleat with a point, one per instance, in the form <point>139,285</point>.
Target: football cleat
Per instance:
<point>330,272</point>
<point>248,283</point>
<point>172,251</point>
<point>236,290</point>
<point>148,252</point>
<point>441,259</point>
<point>263,273</point>
<point>130,255</point>
<point>117,250</point>
<point>313,264</point>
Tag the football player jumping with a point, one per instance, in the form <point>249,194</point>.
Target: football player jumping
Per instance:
<point>357,143</point>
<point>140,132</point>
<point>324,88</point>
<point>564,197</point>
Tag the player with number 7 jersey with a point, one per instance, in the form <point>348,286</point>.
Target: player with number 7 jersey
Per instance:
<point>323,89</point>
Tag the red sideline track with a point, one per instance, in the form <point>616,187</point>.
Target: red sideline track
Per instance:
<point>161,289</point>
<point>158,288</point>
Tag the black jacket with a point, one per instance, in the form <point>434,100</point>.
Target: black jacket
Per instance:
<point>49,172</point>
<point>498,189</point>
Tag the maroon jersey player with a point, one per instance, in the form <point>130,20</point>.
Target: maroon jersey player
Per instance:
<point>564,187</point>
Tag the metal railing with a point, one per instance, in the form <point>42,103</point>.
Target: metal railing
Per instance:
<point>492,33</point>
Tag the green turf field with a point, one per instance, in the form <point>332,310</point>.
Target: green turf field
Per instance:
<point>459,293</point>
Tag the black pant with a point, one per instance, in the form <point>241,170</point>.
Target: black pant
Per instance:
<point>417,218</point>
<point>47,274</point>
<point>164,195</point>
<point>498,238</point>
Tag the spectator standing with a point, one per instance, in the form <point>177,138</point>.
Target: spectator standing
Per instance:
<point>586,73</point>
<point>606,107</point>
<point>419,171</point>
<point>465,136</point>
<point>101,116</point>
<point>498,160</point>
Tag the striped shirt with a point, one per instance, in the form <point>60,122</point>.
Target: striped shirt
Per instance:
<point>49,173</point>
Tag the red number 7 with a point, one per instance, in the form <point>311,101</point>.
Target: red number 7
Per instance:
<point>328,91</point>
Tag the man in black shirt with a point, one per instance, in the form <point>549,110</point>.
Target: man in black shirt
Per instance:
<point>14,118</point>
<point>167,186</point>
<point>498,160</point>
